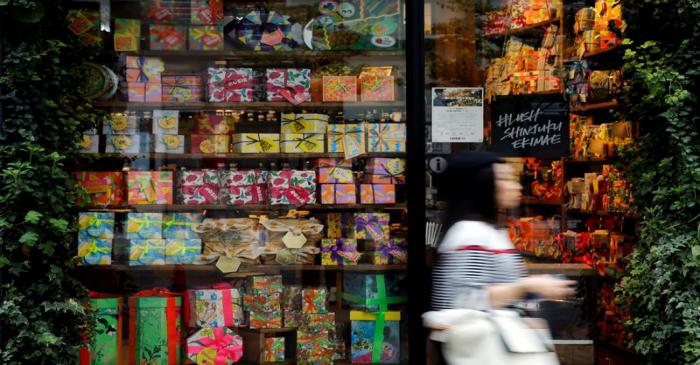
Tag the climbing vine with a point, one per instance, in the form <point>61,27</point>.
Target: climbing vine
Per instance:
<point>41,303</point>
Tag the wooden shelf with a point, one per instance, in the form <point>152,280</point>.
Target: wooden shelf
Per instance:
<point>535,201</point>
<point>563,269</point>
<point>612,104</point>
<point>251,269</point>
<point>252,207</point>
<point>525,29</point>
<point>588,160</point>
<point>601,52</point>
<point>274,56</point>
<point>262,105</point>
<point>603,213</point>
<point>226,156</point>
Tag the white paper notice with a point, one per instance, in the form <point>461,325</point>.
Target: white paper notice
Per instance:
<point>458,114</point>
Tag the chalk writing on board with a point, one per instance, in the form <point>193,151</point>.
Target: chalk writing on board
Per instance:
<point>525,130</point>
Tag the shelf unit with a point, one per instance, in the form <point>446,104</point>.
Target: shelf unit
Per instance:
<point>606,105</point>
<point>256,105</point>
<point>225,156</point>
<point>245,268</point>
<point>249,207</point>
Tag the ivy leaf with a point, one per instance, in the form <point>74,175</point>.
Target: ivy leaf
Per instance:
<point>696,251</point>
<point>29,238</point>
<point>33,217</point>
<point>59,225</point>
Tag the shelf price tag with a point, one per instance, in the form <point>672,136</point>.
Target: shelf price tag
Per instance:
<point>294,240</point>
<point>228,264</point>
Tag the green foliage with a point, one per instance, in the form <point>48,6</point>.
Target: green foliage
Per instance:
<point>42,304</point>
<point>662,287</point>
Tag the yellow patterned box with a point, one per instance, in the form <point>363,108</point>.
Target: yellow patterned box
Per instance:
<point>304,123</point>
<point>256,143</point>
<point>303,142</point>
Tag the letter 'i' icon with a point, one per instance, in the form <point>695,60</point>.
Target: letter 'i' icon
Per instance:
<point>438,164</point>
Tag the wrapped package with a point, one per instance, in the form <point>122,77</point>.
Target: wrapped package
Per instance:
<point>169,143</point>
<point>315,348</point>
<point>106,346</point>
<point>181,225</point>
<point>264,310</point>
<point>304,123</point>
<point>217,345</point>
<point>96,225</point>
<point>123,143</point>
<point>182,251</point>
<point>340,225</point>
<point>127,35</point>
<point>165,121</point>
<point>301,249</point>
<point>185,88</point>
<point>206,11</point>
<point>314,300</point>
<point>148,92</point>
<point>266,284</point>
<point>377,88</point>
<point>199,187</point>
<point>381,170</point>
<point>95,251</point>
<point>334,171</point>
<point>219,306</point>
<point>274,349</point>
<point>339,88</point>
<point>303,142</point>
<point>89,143</point>
<point>120,123</point>
<point>386,137</point>
<point>150,187</point>
<point>142,69</point>
<point>377,193</point>
<point>147,252</point>
<point>231,237</point>
<point>391,251</point>
<point>155,328</point>
<point>230,84</point>
<point>384,346</point>
<point>291,298</point>
<point>350,139</point>
<point>292,187</point>
<point>100,188</point>
<point>213,124</point>
<point>143,226</point>
<point>208,144</point>
<point>288,84</point>
<point>206,37</point>
<point>243,187</point>
<point>339,251</point>
<point>167,37</point>
<point>338,194</point>
<point>371,226</point>
<point>256,143</point>
<point>373,292</point>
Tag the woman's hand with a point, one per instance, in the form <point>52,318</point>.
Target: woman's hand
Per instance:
<point>547,287</point>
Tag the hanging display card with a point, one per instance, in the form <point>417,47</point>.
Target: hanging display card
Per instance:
<point>530,126</point>
<point>458,114</point>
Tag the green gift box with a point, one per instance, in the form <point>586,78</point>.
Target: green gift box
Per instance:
<point>155,328</point>
<point>105,348</point>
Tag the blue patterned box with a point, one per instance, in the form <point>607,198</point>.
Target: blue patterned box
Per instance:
<point>142,226</point>
<point>95,251</point>
<point>96,225</point>
<point>147,252</point>
<point>182,251</point>
<point>370,346</point>
<point>181,225</point>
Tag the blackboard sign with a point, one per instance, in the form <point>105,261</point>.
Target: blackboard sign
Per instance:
<point>530,126</point>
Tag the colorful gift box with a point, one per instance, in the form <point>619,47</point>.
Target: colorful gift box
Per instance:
<point>150,187</point>
<point>338,194</point>
<point>304,123</point>
<point>85,23</point>
<point>182,251</point>
<point>314,300</point>
<point>206,37</point>
<point>372,345</point>
<point>339,225</point>
<point>181,225</point>
<point>160,11</point>
<point>377,194</point>
<point>386,137</point>
<point>292,187</point>
<point>206,11</point>
<point>291,298</point>
<point>167,37</point>
<point>335,171</point>
<point>315,348</point>
<point>274,349</point>
<point>144,92</point>
<point>391,251</point>
<point>317,322</point>
<point>293,318</point>
<point>147,252</point>
<point>373,292</point>
<point>213,124</point>
<point>244,187</point>
<point>385,171</point>
<point>220,346</point>
<point>377,88</point>
<point>303,142</point>
<point>289,84</point>
<point>100,188</point>
<point>347,138</point>
<point>95,251</point>
<point>89,143</point>
<point>165,121</point>
<point>123,143</point>
<point>339,251</point>
<point>207,144</point>
<point>371,226</point>
<point>96,225</point>
<point>199,187</point>
<point>127,35</point>
<point>169,143</point>
<point>143,226</point>
<point>155,328</point>
<point>339,88</point>
<point>118,123</point>
<point>230,84</point>
<point>220,306</point>
<point>182,88</point>
<point>144,69</point>
<point>266,284</point>
<point>256,143</point>
<point>106,346</point>
<point>264,310</point>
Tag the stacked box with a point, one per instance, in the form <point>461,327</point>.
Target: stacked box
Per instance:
<point>169,143</point>
<point>377,88</point>
<point>340,225</point>
<point>119,123</point>
<point>264,301</point>
<point>338,194</point>
<point>339,88</point>
<point>244,187</point>
<point>289,84</point>
<point>334,171</point>
<point>274,349</point>
<point>100,188</point>
<point>184,88</point>
<point>384,345</point>
<point>89,143</point>
<point>155,328</point>
<point>371,226</point>
<point>304,123</point>
<point>218,345</point>
<point>167,37</point>
<point>391,251</point>
<point>199,187</point>
<point>377,194</point>
<point>213,124</point>
<point>95,235</point>
<point>350,139</point>
<point>143,77</point>
<point>373,292</point>
<point>314,335</point>
<point>125,143</point>
<point>150,187</point>
<point>147,252</point>
<point>230,84</point>
<point>386,137</point>
<point>166,122</point>
<point>256,143</point>
<point>181,225</point>
<point>182,251</point>
<point>143,226</point>
<point>127,35</point>
<point>206,37</point>
<point>385,171</point>
<point>208,144</point>
<point>206,11</point>
<point>339,251</point>
<point>303,142</point>
<point>106,346</point>
<point>292,187</point>
<point>220,306</point>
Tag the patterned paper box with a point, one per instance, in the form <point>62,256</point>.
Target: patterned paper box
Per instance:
<point>123,143</point>
<point>127,35</point>
<point>348,138</point>
<point>291,298</point>
<point>105,348</point>
<point>288,84</point>
<point>256,143</point>
<point>334,171</point>
<point>386,137</point>
<point>207,144</point>
<point>147,252</point>
<point>221,306</point>
<point>213,124</point>
<point>165,121</point>
<point>100,188</point>
<point>365,347</point>
<point>143,226</point>
<point>339,88</point>
<point>144,69</point>
<point>377,88</point>
<point>199,187</point>
<point>304,123</point>
<point>292,187</point>
<point>265,284</point>
<point>206,11</point>
<point>363,291</point>
<point>274,349</point>
<point>95,251</point>
<point>144,92</point>
<point>264,310</point>
<point>314,300</point>
<point>230,84</point>
<point>206,37</point>
<point>339,251</point>
<point>391,251</point>
<point>218,345</point>
<point>150,187</point>
<point>118,123</point>
<point>303,143</point>
<point>161,11</point>
<point>89,143</point>
<point>182,251</point>
<point>96,225</point>
<point>340,225</point>
<point>181,225</point>
<point>377,194</point>
<point>318,322</point>
<point>241,187</point>
<point>371,226</point>
<point>293,318</point>
<point>381,170</point>
<point>167,37</point>
<point>169,143</point>
<point>338,194</point>
<point>315,348</point>
<point>185,88</point>
<point>155,335</point>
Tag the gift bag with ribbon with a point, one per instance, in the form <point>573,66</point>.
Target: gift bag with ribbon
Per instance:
<point>371,226</point>
<point>214,346</point>
<point>291,241</point>
<point>391,251</point>
<point>199,187</point>
<point>339,251</point>
<point>155,327</point>
<point>292,187</point>
<point>218,306</point>
<point>150,187</point>
<point>267,30</point>
<point>106,346</point>
<point>100,188</point>
<point>143,226</point>
<point>242,187</point>
<point>289,84</point>
<point>232,237</point>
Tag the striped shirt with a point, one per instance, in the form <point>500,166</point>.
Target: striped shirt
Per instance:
<point>471,256</point>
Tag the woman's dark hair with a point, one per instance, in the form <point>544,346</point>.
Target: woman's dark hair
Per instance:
<point>470,188</point>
